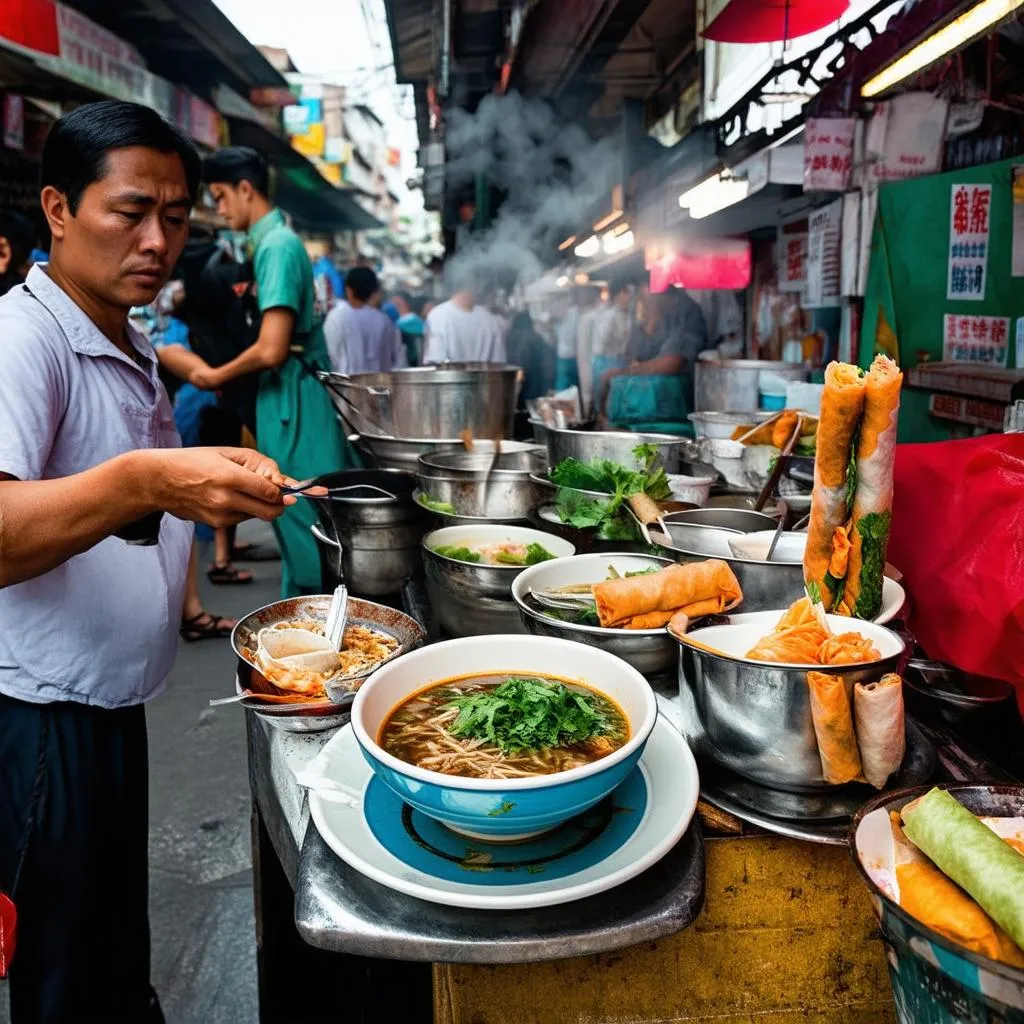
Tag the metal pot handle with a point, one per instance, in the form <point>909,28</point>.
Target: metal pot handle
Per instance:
<point>322,537</point>
<point>343,380</point>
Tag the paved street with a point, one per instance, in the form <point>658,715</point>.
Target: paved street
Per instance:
<point>204,948</point>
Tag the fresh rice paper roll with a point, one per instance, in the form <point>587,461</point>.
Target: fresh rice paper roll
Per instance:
<point>842,403</point>
<point>881,729</point>
<point>972,855</point>
<point>872,504</point>
<point>833,727</point>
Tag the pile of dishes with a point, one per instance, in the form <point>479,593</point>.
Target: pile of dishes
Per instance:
<point>505,772</point>
<point>470,571</point>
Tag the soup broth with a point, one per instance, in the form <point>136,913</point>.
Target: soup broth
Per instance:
<point>503,726</point>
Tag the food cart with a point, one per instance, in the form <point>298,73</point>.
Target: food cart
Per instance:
<point>751,905</point>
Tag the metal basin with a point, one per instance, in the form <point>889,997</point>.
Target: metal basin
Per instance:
<point>734,383</point>
<point>371,540</point>
<point>462,479</point>
<point>429,401</point>
<point>649,651</point>
<point>403,453</point>
<point>470,599</point>
<point>755,717</point>
<point>313,716</point>
<point>616,446</point>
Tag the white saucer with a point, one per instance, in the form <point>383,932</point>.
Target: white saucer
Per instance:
<point>662,795</point>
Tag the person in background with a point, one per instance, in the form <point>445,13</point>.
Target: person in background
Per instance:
<point>410,323</point>
<point>526,348</point>
<point>328,286</point>
<point>295,419</point>
<point>611,333</point>
<point>585,350</point>
<point>361,339</point>
<point>463,330</point>
<point>97,500</point>
<point>16,240</point>
<point>390,310</point>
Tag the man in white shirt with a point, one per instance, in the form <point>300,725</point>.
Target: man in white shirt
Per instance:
<point>463,331</point>
<point>360,338</point>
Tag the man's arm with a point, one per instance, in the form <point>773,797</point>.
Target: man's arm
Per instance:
<point>43,523</point>
<point>179,360</point>
<point>270,349</point>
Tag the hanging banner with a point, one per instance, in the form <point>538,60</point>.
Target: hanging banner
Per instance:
<point>828,153</point>
<point>97,58</point>
<point>14,121</point>
<point>968,241</point>
<point>976,339</point>
<point>823,256</point>
<point>906,136</point>
<point>793,262</point>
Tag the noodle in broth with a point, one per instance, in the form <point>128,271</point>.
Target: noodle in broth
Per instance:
<point>419,731</point>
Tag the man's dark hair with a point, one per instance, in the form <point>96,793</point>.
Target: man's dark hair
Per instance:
<point>363,282</point>
<point>20,235</point>
<point>235,164</point>
<point>617,285</point>
<point>75,154</point>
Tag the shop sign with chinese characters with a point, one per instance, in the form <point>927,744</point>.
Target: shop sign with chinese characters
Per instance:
<point>968,241</point>
<point>976,339</point>
<point>793,262</point>
<point>828,153</point>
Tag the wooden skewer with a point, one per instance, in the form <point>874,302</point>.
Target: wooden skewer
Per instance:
<point>757,426</point>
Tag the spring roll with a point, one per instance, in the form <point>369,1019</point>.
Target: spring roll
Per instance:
<point>698,588</point>
<point>881,736</point>
<point>833,726</point>
<point>972,855</point>
<point>847,649</point>
<point>872,504</point>
<point>649,620</point>
<point>842,403</point>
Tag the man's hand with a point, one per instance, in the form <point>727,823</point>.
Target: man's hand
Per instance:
<point>217,486</point>
<point>206,378</point>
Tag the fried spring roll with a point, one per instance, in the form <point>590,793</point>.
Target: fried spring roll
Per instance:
<point>833,726</point>
<point>881,736</point>
<point>698,588</point>
<point>842,403</point>
<point>872,505</point>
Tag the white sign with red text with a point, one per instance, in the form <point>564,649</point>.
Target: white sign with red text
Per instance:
<point>828,153</point>
<point>970,206</point>
<point>982,340</point>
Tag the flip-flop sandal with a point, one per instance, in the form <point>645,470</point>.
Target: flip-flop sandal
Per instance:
<point>254,553</point>
<point>195,629</point>
<point>228,575</point>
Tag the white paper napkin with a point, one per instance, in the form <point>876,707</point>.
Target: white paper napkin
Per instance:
<point>338,772</point>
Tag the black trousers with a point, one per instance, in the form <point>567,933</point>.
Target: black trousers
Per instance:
<point>74,824</point>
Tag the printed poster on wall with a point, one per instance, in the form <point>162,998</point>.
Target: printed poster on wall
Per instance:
<point>828,153</point>
<point>823,256</point>
<point>793,262</point>
<point>968,241</point>
<point>983,340</point>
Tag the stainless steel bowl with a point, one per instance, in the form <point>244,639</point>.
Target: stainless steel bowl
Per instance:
<point>743,520</point>
<point>755,717</point>
<point>649,651</point>
<point>470,599</point>
<point>318,715</point>
<point>519,461</point>
<point>453,519</point>
<point>468,482</point>
<point>616,446</point>
<point>404,452</point>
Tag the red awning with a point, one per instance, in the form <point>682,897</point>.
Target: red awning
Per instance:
<point>769,21</point>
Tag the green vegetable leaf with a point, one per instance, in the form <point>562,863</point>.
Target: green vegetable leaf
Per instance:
<point>530,714</point>
<point>649,571</point>
<point>586,617</point>
<point>874,533</point>
<point>813,591</point>
<point>536,553</point>
<point>437,506</point>
<point>646,454</point>
<point>459,554</point>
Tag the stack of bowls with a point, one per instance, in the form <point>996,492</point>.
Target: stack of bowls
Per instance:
<point>472,599</point>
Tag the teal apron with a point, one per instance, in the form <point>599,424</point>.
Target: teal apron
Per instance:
<point>297,427</point>
<point>648,403</point>
<point>566,373</point>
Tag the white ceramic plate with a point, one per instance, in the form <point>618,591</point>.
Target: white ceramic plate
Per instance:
<point>667,772</point>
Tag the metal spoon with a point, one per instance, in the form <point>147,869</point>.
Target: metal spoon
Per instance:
<point>336,615</point>
<point>783,513</point>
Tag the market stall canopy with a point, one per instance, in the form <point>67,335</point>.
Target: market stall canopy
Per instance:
<point>769,21</point>
<point>300,188</point>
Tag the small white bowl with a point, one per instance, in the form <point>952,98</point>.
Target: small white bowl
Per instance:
<point>692,489</point>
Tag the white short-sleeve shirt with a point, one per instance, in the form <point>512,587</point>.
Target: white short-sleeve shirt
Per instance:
<point>457,336</point>
<point>102,627</point>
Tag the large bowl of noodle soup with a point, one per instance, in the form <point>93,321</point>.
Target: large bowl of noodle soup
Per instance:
<point>523,803</point>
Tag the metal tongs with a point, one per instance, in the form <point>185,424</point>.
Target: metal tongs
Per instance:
<point>305,485</point>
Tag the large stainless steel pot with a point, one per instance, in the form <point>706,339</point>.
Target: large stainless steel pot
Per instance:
<point>724,384</point>
<point>429,401</point>
<point>403,453</point>
<point>372,539</point>
<point>616,446</point>
<point>467,481</point>
<point>755,717</point>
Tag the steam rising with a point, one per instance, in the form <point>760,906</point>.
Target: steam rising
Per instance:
<point>553,174</point>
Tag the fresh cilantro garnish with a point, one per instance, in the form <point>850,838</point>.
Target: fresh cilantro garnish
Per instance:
<point>529,714</point>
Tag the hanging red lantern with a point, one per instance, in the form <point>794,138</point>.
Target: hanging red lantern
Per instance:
<point>772,21</point>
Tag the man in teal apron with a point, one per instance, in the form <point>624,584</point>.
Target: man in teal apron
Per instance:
<point>654,392</point>
<point>295,420</point>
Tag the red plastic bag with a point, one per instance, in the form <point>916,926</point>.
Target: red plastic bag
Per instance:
<point>8,920</point>
<point>958,538</point>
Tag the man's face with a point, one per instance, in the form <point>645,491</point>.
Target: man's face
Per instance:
<point>622,299</point>
<point>233,203</point>
<point>130,227</point>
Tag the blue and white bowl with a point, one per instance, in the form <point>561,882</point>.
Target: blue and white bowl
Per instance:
<point>508,809</point>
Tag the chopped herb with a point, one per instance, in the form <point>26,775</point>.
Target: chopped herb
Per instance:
<point>649,571</point>
<point>437,506</point>
<point>874,533</point>
<point>506,806</point>
<point>459,554</point>
<point>851,474</point>
<point>835,588</point>
<point>584,617</point>
<point>535,553</point>
<point>813,591</point>
<point>535,869</point>
<point>529,714</point>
